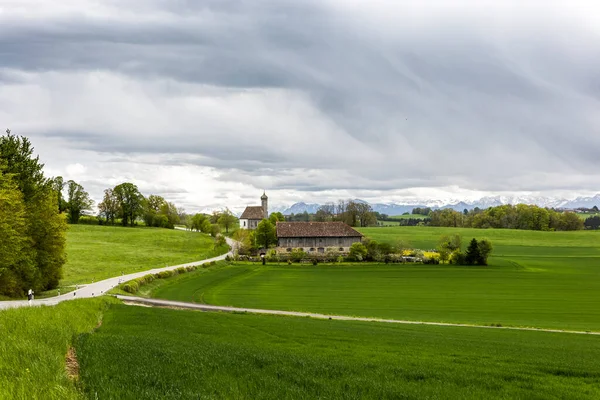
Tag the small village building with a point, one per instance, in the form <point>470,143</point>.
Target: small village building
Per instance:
<point>316,236</point>
<point>252,215</point>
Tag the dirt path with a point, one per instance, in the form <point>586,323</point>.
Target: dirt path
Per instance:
<point>205,307</point>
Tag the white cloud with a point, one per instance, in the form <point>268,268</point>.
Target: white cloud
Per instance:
<point>208,103</point>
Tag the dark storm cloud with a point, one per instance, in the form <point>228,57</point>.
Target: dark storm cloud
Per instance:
<point>448,103</point>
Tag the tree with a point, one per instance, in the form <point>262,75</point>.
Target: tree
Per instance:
<point>473,255</point>
<point>109,207</point>
<point>58,185</point>
<point>47,228</point>
<point>243,243</point>
<point>78,201</point>
<point>152,207</point>
<point>485,249</point>
<point>276,217</point>
<point>17,153</point>
<point>44,226</point>
<point>592,222</point>
<point>227,220</point>
<point>129,201</point>
<point>214,230</point>
<point>451,243</point>
<point>265,235</point>
<point>170,214</point>
<point>571,222</point>
<point>17,268</point>
<point>358,251</point>
<point>207,227</point>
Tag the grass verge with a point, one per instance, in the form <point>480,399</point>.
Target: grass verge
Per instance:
<point>35,341</point>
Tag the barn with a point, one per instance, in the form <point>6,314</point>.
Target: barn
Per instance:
<point>316,236</point>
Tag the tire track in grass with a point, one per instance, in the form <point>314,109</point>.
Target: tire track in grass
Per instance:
<point>205,307</point>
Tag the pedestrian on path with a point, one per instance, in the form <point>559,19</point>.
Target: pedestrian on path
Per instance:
<point>30,296</point>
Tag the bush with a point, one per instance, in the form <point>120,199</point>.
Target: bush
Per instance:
<point>131,287</point>
<point>297,255</point>
<point>165,274</point>
<point>181,270</point>
<point>191,268</point>
<point>358,252</point>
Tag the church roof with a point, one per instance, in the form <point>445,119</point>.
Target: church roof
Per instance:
<point>315,229</point>
<point>253,212</point>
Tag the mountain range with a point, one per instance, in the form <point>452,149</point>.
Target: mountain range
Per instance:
<point>483,203</point>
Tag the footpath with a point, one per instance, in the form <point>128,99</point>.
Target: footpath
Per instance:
<point>132,300</point>
<point>101,287</point>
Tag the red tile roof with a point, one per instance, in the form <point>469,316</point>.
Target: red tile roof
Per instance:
<point>253,212</point>
<point>315,229</point>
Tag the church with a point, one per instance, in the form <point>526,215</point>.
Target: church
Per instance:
<point>252,215</point>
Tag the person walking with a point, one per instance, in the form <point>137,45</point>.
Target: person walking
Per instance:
<point>30,296</point>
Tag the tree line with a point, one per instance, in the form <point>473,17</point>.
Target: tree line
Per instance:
<point>32,229</point>
<point>353,213</point>
<point>520,216</point>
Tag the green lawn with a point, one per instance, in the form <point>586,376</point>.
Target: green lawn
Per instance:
<point>99,252</point>
<point>539,279</point>
<point>142,353</point>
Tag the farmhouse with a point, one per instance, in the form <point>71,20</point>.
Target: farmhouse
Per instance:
<point>252,215</point>
<point>315,236</point>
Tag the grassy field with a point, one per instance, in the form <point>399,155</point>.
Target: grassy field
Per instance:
<point>172,354</point>
<point>409,216</point>
<point>539,279</point>
<point>99,252</point>
<point>34,344</point>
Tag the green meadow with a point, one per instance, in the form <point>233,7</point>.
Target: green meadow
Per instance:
<point>535,279</point>
<point>144,353</point>
<point>100,252</point>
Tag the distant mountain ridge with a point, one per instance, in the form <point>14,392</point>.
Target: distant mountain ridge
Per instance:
<point>483,203</point>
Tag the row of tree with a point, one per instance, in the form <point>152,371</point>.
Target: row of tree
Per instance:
<point>353,213</point>
<point>520,216</point>
<point>32,230</point>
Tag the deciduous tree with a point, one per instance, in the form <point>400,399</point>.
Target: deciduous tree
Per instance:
<point>78,200</point>
<point>129,202</point>
<point>265,234</point>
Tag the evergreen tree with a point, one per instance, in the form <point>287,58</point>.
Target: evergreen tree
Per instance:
<point>473,255</point>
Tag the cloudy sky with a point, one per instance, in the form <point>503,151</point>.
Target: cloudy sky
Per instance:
<point>207,103</point>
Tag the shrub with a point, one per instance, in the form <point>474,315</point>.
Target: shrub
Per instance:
<point>165,274</point>
<point>228,258</point>
<point>191,268</point>
<point>181,270</point>
<point>297,255</point>
<point>131,287</point>
<point>358,251</point>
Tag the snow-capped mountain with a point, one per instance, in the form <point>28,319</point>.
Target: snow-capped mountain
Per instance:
<point>483,203</point>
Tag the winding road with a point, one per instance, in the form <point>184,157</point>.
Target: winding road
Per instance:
<point>99,288</point>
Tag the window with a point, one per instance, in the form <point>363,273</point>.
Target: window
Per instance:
<point>244,223</point>
<point>321,250</point>
<point>341,249</point>
<point>340,241</point>
<point>312,249</point>
<point>289,249</point>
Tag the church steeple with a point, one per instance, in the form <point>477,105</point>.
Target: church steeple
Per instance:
<point>264,201</point>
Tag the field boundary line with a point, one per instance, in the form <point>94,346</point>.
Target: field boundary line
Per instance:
<point>207,307</point>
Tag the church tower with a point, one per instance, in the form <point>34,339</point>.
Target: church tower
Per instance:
<point>264,200</point>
